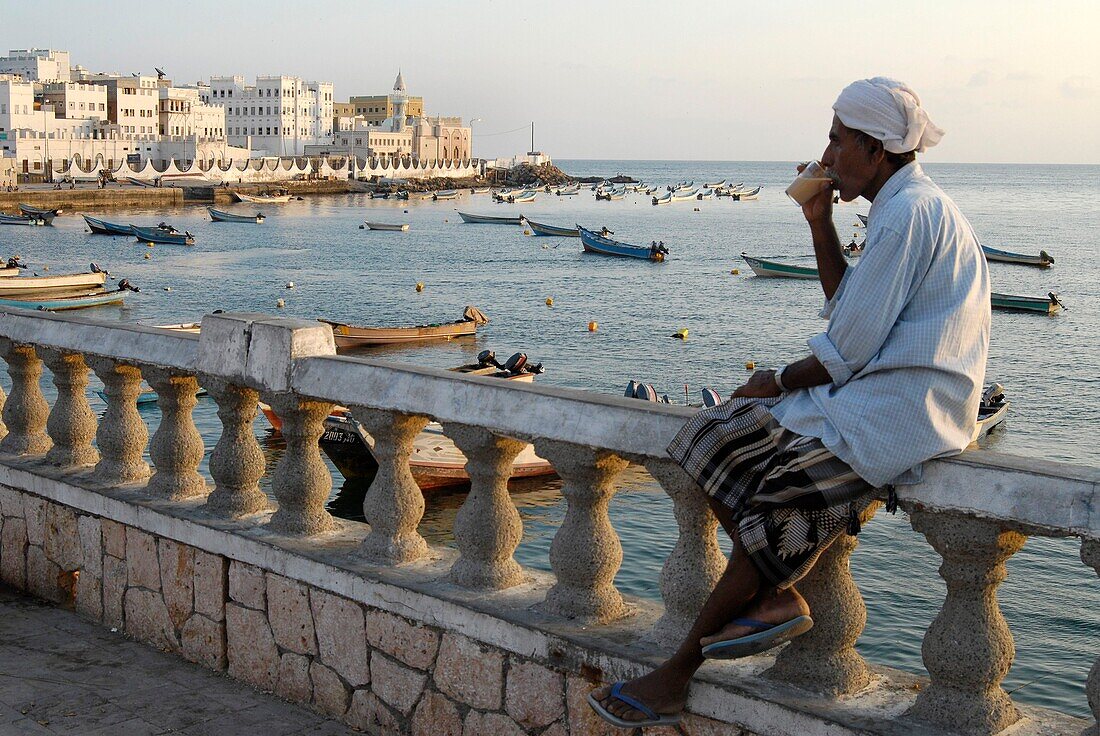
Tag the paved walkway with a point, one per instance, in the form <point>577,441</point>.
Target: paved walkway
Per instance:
<point>60,674</point>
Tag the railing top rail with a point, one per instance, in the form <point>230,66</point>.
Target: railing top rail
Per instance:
<point>121,341</point>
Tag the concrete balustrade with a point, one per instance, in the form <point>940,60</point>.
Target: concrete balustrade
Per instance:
<point>471,636</point>
<point>25,410</point>
<point>1090,555</point>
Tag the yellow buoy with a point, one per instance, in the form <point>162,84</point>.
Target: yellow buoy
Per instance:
<point>148,256</point>
<point>549,301</point>
<point>290,284</point>
<point>45,268</point>
<point>280,304</point>
<point>750,366</point>
<point>735,271</point>
<point>526,232</point>
<point>593,326</point>
<point>148,245</point>
<point>420,286</point>
<point>681,334</point>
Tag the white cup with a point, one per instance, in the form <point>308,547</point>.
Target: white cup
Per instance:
<point>811,181</point>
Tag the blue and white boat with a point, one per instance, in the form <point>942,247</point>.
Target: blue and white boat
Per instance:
<point>162,234</point>
<point>563,232</point>
<point>20,220</point>
<point>102,227</point>
<point>1043,260</point>
<point>78,301</point>
<point>666,199</point>
<point>595,243</point>
<point>489,219</point>
<point>221,216</point>
<point>45,215</point>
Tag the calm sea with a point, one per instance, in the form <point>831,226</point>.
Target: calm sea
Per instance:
<point>1049,365</point>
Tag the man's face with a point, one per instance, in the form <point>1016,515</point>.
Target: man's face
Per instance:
<point>847,161</point>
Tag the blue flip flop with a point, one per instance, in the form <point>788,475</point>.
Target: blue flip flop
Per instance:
<point>652,717</point>
<point>770,635</point>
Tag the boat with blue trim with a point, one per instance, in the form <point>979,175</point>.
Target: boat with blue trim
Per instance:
<point>596,243</point>
<point>489,219</point>
<point>1043,260</point>
<point>102,227</point>
<point>222,216</point>
<point>162,234</point>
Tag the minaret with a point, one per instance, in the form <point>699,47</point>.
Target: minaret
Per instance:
<point>400,100</point>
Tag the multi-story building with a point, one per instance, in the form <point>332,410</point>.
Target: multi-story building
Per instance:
<point>376,109</point>
<point>37,65</point>
<point>133,102</point>
<point>278,116</point>
<point>76,100</point>
<point>17,105</point>
<point>182,112</point>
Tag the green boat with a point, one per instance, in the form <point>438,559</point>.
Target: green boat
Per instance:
<point>772,269</point>
<point>1048,304</point>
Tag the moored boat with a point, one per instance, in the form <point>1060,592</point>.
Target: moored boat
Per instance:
<point>102,227</point>
<point>57,303</point>
<point>767,268</point>
<point>352,336</point>
<point>539,228</point>
<point>596,243</point>
<point>745,194</point>
<point>523,198</point>
<point>479,190</point>
<point>45,285</point>
<point>164,234</point>
<point>682,195</point>
<point>263,198</point>
<point>394,227</point>
<point>1043,260</point>
<point>46,215</point>
<point>714,184</point>
<point>1048,304</point>
<point>20,220</point>
<point>489,219</point>
<point>222,216</point>
<point>666,199</point>
<point>445,194</point>
<point>862,219</point>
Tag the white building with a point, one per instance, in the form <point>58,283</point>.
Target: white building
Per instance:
<point>182,112</point>
<point>76,100</point>
<point>17,105</point>
<point>37,65</point>
<point>277,116</point>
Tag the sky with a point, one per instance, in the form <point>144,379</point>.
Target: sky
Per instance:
<point>1010,81</point>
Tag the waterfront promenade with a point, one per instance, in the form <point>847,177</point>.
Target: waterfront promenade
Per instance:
<point>61,674</point>
<point>375,627</point>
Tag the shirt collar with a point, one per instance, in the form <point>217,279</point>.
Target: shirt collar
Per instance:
<point>893,185</point>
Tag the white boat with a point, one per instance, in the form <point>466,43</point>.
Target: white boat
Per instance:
<point>396,228</point>
<point>68,283</point>
<point>263,198</point>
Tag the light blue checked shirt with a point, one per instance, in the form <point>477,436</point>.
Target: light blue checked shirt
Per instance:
<point>907,339</point>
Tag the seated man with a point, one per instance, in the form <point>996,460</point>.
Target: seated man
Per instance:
<point>794,458</point>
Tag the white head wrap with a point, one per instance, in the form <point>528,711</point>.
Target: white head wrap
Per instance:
<point>889,111</point>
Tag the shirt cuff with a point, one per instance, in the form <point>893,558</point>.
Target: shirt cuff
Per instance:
<point>830,304</point>
<point>825,351</point>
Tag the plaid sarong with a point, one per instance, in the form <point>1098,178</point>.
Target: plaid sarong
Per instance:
<point>790,496</point>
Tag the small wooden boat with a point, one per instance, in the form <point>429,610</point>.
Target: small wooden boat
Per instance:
<point>167,235</point>
<point>1043,260</point>
<point>705,194</point>
<point>10,272</point>
<point>42,214</point>
<point>714,184</point>
<point>666,199</point>
<point>188,327</point>
<point>766,268</point>
<point>523,198</point>
<point>568,191</point>
<point>221,216</point>
<point>263,198</point>
<point>862,219</point>
<point>58,303</point>
<point>46,285</point>
<point>351,336</point>
<point>479,190</point>
<point>595,243</point>
<point>991,411</point>
<point>102,227</point>
<point>20,220</point>
<point>445,194</point>
<point>611,194</point>
<point>745,194</point>
<point>1048,304</point>
<point>564,232</point>
<point>395,228</point>
<point>489,219</point>
<point>684,195</point>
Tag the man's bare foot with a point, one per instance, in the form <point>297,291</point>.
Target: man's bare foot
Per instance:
<point>664,692</point>
<point>772,607</point>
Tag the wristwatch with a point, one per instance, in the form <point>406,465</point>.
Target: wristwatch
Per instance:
<point>778,377</point>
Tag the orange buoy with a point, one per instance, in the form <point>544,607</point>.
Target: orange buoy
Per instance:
<point>735,271</point>
<point>549,301</point>
<point>750,366</point>
<point>420,286</point>
<point>593,326</point>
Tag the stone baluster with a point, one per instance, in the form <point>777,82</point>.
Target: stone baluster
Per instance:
<point>122,434</point>
<point>25,411</point>
<point>968,649</point>
<point>394,504</point>
<point>1090,555</point>
<point>695,563</point>
<point>302,481</point>
<point>487,528</point>
<point>237,462</point>
<point>71,424</point>
<point>585,553</point>
<point>825,659</point>
<point>176,448</point>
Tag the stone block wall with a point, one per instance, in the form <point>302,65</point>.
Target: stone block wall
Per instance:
<point>374,670</point>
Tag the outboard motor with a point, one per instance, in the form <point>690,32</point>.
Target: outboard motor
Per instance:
<point>711,398</point>
<point>646,392</point>
<point>515,364</point>
<point>994,394</point>
<point>488,357</point>
<point>631,390</point>
<point>125,284</point>
<point>96,269</point>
